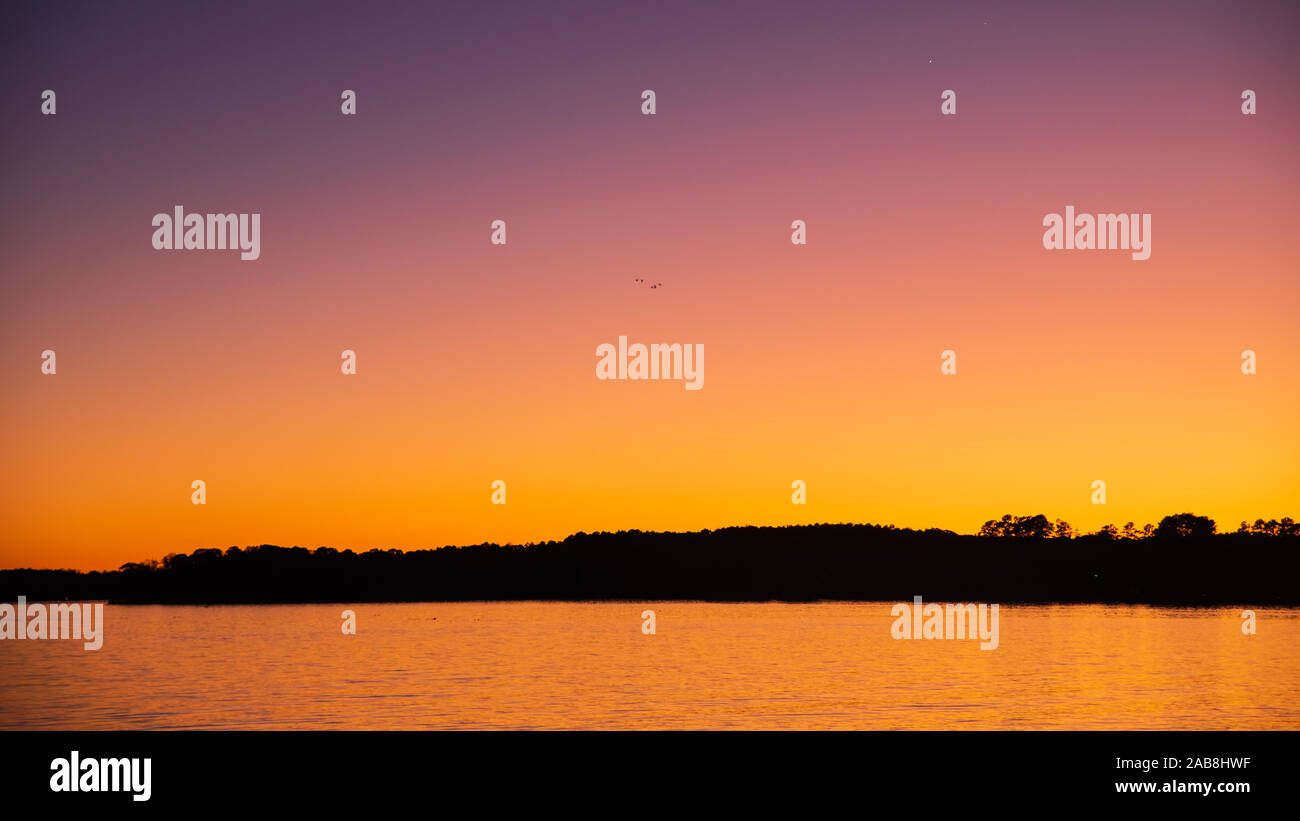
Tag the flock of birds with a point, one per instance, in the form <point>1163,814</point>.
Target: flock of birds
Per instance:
<point>642,281</point>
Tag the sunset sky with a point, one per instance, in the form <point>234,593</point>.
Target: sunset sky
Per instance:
<point>477,362</point>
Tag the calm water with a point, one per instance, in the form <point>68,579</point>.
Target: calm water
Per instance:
<point>587,665</point>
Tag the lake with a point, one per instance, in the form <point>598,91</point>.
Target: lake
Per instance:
<point>587,665</point>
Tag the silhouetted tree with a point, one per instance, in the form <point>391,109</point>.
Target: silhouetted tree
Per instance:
<point>1019,527</point>
<point>1273,527</point>
<point>1184,525</point>
<point>997,527</point>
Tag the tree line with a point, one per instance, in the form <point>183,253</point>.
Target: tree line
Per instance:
<point>1181,560</point>
<point>1178,525</point>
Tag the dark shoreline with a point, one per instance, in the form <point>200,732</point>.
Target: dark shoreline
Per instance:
<point>882,602</point>
<point>805,563</point>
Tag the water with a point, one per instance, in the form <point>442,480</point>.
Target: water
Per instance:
<point>561,665</point>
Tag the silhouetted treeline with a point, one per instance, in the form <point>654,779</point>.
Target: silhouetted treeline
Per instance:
<point>1180,524</point>
<point>1181,561</point>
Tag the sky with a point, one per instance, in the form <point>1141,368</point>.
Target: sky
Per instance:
<point>476,362</point>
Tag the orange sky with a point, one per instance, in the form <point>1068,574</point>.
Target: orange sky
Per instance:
<point>822,362</point>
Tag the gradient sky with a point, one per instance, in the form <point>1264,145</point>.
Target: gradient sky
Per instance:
<point>477,362</point>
